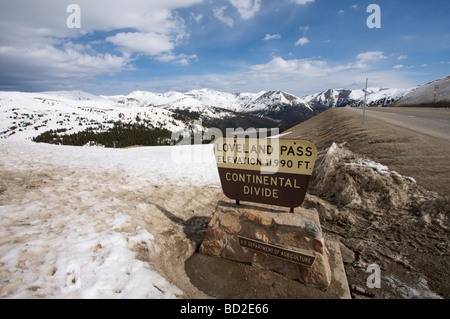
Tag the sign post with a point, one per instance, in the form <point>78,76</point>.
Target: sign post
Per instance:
<point>365,101</point>
<point>268,179</point>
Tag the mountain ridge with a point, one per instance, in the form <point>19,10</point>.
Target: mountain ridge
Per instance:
<point>27,115</point>
<point>436,94</point>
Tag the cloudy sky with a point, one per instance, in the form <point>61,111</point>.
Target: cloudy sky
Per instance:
<point>299,46</point>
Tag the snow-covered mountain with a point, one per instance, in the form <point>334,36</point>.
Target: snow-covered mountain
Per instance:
<point>435,94</point>
<point>192,100</point>
<point>272,100</point>
<point>27,115</point>
<point>341,97</point>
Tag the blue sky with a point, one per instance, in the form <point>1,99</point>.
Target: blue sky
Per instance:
<point>299,46</point>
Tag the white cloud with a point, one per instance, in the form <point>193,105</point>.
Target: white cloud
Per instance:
<point>354,6</point>
<point>302,41</point>
<point>246,8</point>
<point>371,56</point>
<point>50,16</point>
<point>302,2</point>
<point>181,59</point>
<point>315,74</point>
<point>293,66</point>
<point>34,39</point>
<point>272,37</point>
<point>366,58</point>
<point>219,14</point>
<point>197,17</point>
<point>34,48</point>
<point>41,65</point>
<point>401,66</point>
<point>341,12</point>
<point>137,42</point>
<point>304,29</point>
<point>297,76</point>
<point>402,57</point>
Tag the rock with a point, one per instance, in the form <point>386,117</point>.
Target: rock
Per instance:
<point>230,223</point>
<point>212,248</point>
<point>272,238</point>
<point>258,217</point>
<point>348,256</point>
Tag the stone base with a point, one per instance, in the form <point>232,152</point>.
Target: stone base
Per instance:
<point>294,234</point>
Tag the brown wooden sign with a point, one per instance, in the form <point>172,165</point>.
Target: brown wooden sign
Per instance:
<point>266,171</point>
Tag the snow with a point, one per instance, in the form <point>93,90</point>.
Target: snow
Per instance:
<point>70,264</point>
<point>356,97</point>
<point>380,168</point>
<point>74,238</point>
<point>382,94</point>
<point>268,100</point>
<point>26,115</point>
<point>199,99</point>
<point>434,92</point>
<point>419,290</point>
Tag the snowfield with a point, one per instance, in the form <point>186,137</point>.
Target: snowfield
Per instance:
<point>74,220</point>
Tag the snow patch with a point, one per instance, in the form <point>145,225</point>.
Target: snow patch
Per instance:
<point>418,291</point>
<point>75,226</point>
<point>382,169</point>
<point>360,183</point>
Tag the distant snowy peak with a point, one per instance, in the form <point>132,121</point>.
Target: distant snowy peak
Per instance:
<point>212,98</point>
<point>75,95</point>
<point>196,100</point>
<point>330,98</point>
<point>146,99</point>
<point>278,97</point>
<point>274,99</point>
<point>342,97</point>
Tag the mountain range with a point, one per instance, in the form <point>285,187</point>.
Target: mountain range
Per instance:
<point>27,115</point>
